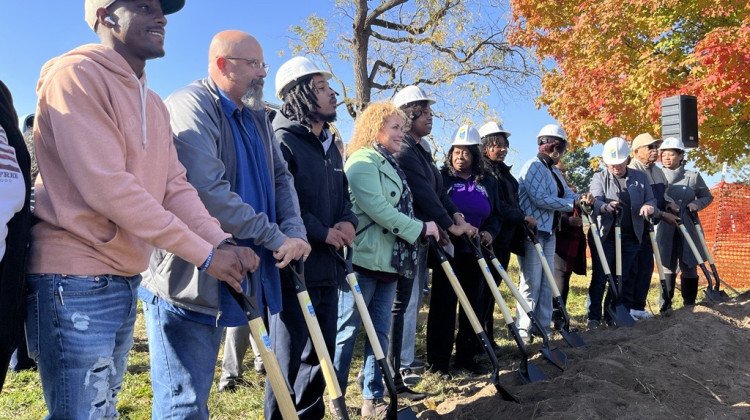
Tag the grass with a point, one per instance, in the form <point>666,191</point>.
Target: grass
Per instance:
<point>22,395</point>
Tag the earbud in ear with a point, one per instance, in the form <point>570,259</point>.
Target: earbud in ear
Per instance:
<point>109,20</point>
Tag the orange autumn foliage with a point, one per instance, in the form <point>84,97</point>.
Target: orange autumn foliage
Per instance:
<point>608,64</point>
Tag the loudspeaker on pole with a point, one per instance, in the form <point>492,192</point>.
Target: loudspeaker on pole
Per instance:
<point>679,119</point>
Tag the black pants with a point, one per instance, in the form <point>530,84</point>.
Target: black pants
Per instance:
<point>487,313</point>
<point>396,333</point>
<point>290,340</point>
<point>441,321</point>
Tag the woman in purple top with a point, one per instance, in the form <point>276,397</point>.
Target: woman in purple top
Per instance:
<point>474,192</point>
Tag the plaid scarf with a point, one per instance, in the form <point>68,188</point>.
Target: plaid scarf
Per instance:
<point>404,255</point>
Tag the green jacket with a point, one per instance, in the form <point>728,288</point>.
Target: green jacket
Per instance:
<point>375,188</point>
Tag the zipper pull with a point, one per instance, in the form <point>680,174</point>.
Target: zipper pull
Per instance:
<point>60,292</point>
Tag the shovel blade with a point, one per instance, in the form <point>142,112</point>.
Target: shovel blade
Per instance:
<point>572,338</point>
<point>504,394</point>
<point>556,356</point>
<point>529,373</point>
<point>406,413</point>
<point>715,296</point>
<point>620,315</point>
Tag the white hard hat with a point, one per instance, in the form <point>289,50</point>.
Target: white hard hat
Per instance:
<point>410,94</point>
<point>672,143</point>
<point>615,151</point>
<point>551,130</point>
<point>466,135</point>
<point>293,70</point>
<point>492,128</point>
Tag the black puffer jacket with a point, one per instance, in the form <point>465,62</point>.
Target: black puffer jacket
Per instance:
<point>323,194</point>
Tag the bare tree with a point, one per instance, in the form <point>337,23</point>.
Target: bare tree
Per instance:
<point>458,47</point>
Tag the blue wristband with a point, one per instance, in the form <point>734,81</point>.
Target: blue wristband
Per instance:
<point>205,265</point>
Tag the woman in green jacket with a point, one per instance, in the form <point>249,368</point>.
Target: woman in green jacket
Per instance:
<point>384,247</point>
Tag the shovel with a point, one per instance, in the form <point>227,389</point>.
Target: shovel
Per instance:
<point>527,371</point>
<point>702,238</point>
<point>329,374</point>
<point>657,260</point>
<point>570,336</point>
<point>569,333</point>
<point>393,413</point>
<point>260,336</point>
<point>464,301</point>
<point>618,312</point>
<point>711,293</point>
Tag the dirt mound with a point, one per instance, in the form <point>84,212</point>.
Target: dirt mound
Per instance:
<point>692,364</point>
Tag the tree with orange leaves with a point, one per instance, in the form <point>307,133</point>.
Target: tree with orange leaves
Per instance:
<point>616,59</point>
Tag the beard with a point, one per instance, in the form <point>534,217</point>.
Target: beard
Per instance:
<point>253,98</point>
<point>328,118</point>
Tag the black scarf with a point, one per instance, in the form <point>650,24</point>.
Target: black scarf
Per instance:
<point>404,255</point>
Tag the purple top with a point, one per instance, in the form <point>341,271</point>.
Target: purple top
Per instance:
<point>471,199</point>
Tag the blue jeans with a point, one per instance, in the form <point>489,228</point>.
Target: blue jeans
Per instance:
<point>80,330</point>
<point>534,285</point>
<point>379,299</point>
<point>183,358</point>
<point>412,309</point>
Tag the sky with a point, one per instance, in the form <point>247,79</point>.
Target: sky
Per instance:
<point>34,31</point>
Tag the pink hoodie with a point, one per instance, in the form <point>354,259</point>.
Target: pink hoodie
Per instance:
<point>110,188</point>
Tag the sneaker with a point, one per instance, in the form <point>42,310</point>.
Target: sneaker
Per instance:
<point>409,377</point>
<point>640,314</point>
<point>408,394</point>
<point>258,365</point>
<point>416,365</point>
<point>592,323</point>
<point>374,408</point>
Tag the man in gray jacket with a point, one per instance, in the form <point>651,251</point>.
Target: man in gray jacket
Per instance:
<point>226,143</point>
<point>635,288</point>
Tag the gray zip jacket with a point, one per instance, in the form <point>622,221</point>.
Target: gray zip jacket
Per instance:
<point>604,187</point>
<point>205,146</point>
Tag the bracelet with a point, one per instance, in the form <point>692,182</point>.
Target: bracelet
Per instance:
<point>205,265</point>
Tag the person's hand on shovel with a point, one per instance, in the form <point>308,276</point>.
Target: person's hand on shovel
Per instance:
<point>586,198</point>
<point>669,218</point>
<point>231,263</point>
<point>485,238</point>
<point>431,229</point>
<point>646,210</point>
<point>610,207</point>
<point>291,249</point>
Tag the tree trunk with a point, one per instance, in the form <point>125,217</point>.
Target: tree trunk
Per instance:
<point>360,42</point>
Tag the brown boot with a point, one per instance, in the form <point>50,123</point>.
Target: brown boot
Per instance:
<point>374,409</point>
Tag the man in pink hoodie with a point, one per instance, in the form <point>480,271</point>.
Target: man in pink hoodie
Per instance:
<point>111,190</point>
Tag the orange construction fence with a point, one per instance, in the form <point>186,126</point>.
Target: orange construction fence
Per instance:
<point>726,223</point>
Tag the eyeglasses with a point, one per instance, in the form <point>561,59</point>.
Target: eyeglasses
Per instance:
<point>254,64</point>
<point>652,146</point>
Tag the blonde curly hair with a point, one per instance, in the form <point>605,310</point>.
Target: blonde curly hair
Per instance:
<point>369,123</point>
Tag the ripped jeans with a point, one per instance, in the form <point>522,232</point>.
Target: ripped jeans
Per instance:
<point>79,330</point>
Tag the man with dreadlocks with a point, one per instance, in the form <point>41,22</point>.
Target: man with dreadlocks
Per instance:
<point>307,143</point>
